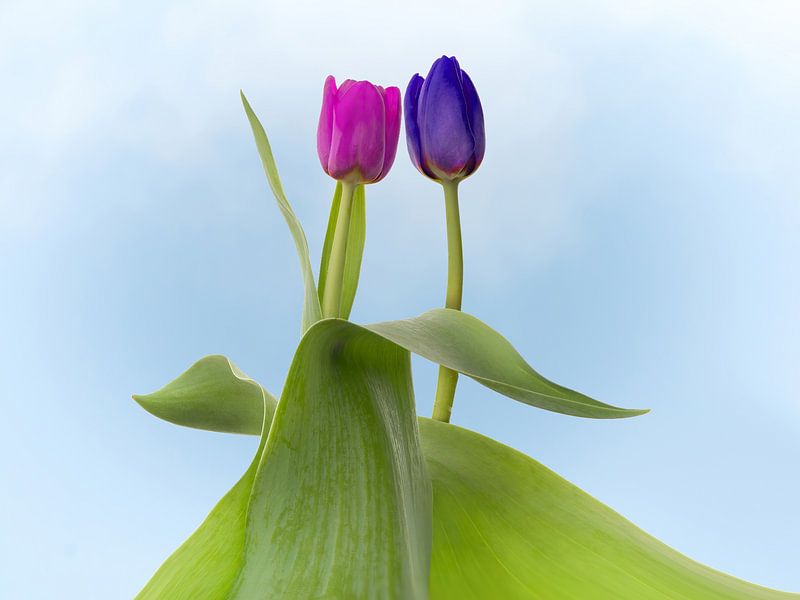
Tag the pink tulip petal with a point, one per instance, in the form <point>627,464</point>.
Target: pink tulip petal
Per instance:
<point>325,127</point>
<point>346,85</point>
<point>391,101</point>
<point>357,145</point>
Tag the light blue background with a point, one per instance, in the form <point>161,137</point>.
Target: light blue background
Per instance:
<point>633,231</point>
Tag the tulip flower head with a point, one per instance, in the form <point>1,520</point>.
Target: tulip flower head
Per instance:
<point>444,122</point>
<point>359,127</point>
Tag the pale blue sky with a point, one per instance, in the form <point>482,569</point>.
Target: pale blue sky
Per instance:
<point>633,231</point>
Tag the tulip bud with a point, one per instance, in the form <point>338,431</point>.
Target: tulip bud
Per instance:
<point>359,127</point>
<point>444,122</point>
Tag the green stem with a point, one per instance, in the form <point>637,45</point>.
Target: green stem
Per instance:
<point>332,297</point>
<point>446,385</point>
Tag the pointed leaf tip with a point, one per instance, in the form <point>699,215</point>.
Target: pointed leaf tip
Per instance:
<point>312,311</point>
<point>212,394</point>
<point>463,343</point>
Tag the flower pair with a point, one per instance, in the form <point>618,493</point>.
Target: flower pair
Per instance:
<point>359,126</point>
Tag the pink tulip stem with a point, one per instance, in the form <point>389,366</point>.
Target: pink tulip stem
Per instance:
<point>332,297</point>
<point>446,385</point>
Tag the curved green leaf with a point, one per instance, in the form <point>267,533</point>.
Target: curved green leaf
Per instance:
<point>208,562</point>
<point>465,344</point>
<point>507,527</point>
<point>341,504</point>
<point>354,251</point>
<point>312,311</point>
<point>212,394</point>
<point>452,338</point>
<point>338,503</point>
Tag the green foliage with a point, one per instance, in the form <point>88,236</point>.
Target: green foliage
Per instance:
<point>207,564</point>
<point>341,503</point>
<point>504,526</point>
<point>507,527</point>
<point>451,338</point>
<point>465,344</point>
<point>212,394</point>
<point>337,502</point>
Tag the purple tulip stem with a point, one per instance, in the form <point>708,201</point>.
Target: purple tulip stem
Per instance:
<point>446,384</point>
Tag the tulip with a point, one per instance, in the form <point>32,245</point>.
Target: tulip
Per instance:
<point>359,127</point>
<point>446,142</point>
<point>444,122</point>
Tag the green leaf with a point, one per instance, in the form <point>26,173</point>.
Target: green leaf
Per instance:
<point>311,307</point>
<point>212,394</point>
<point>354,250</point>
<point>507,527</point>
<point>338,503</point>
<point>207,564</point>
<point>460,342</point>
<point>504,526</point>
<point>341,504</point>
<point>465,344</point>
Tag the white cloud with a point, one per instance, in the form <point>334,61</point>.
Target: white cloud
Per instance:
<point>162,79</point>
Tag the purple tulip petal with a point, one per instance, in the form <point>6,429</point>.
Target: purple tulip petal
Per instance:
<point>447,142</point>
<point>444,122</point>
<point>357,145</point>
<point>475,116</point>
<point>392,110</point>
<point>411,108</point>
<point>325,128</point>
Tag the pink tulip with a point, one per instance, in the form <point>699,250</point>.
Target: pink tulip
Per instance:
<point>359,126</point>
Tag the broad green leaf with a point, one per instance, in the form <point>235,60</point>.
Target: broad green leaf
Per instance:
<point>507,527</point>
<point>341,504</point>
<point>212,394</point>
<point>207,564</point>
<point>354,251</point>
<point>338,504</point>
<point>311,307</point>
<point>465,344</point>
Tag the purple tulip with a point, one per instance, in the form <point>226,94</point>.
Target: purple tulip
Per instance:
<point>359,126</point>
<point>444,122</point>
